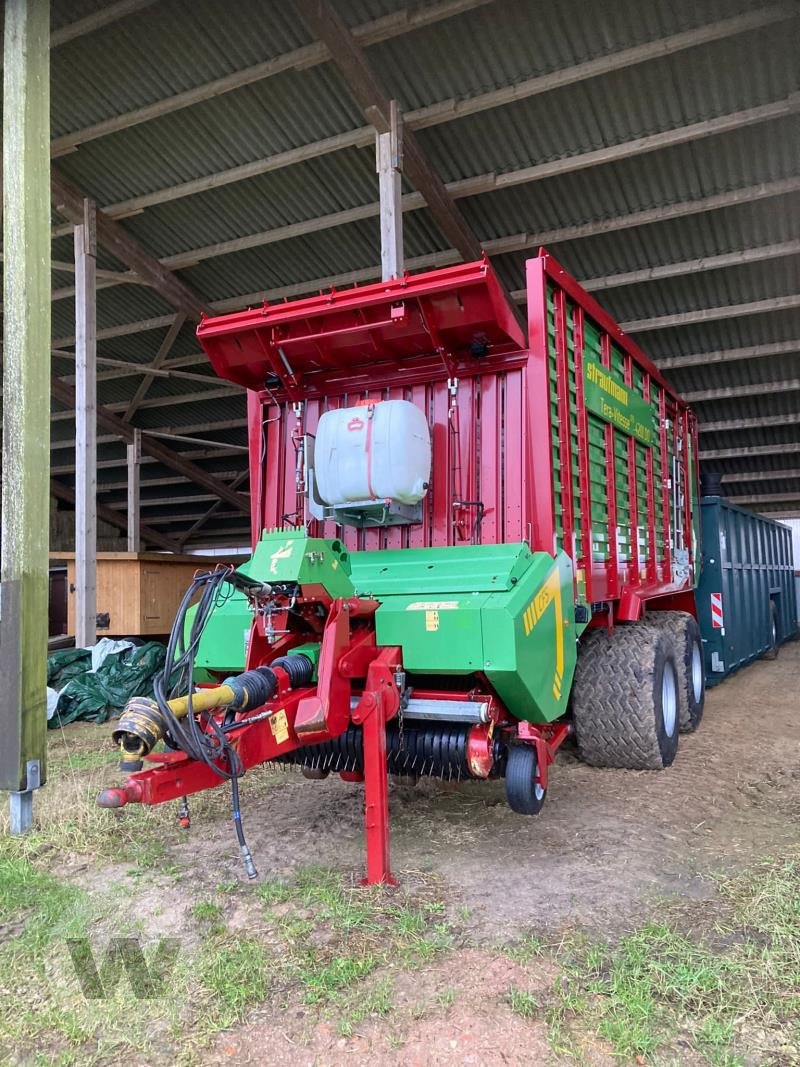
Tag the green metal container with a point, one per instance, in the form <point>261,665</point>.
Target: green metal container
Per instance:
<point>746,599</point>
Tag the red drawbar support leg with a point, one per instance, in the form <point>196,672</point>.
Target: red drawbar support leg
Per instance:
<point>379,703</point>
<point>376,801</point>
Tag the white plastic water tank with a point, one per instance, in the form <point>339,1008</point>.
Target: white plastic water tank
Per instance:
<point>380,452</point>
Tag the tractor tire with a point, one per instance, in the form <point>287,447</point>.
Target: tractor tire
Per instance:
<point>524,794</point>
<point>625,698</point>
<point>690,663</point>
<point>772,651</point>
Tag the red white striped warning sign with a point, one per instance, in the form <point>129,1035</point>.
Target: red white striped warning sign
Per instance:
<point>716,611</point>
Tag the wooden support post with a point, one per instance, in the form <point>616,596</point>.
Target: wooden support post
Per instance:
<point>26,403</point>
<point>134,510</point>
<point>389,165</point>
<point>86,428</point>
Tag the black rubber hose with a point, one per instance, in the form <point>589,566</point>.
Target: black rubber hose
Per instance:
<point>299,668</point>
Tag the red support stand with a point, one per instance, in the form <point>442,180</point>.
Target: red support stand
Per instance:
<point>379,703</point>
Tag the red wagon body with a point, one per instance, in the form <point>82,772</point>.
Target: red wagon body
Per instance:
<point>568,438</point>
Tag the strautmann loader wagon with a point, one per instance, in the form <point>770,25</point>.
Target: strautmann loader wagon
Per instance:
<point>469,544</point>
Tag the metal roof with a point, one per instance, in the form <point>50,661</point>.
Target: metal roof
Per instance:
<point>636,136</point>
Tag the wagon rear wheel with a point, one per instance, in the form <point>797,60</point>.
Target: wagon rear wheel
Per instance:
<point>689,661</point>
<point>626,698</point>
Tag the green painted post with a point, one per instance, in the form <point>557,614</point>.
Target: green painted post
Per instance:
<point>26,402</point>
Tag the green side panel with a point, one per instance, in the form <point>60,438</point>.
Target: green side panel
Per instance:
<point>529,641</point>
<point>460,569</point>
<point>280,556</point>
<point>451,616</point>
<point>289,555</point>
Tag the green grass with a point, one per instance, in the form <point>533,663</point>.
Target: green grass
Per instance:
<point>712,987</point>
<point>235,974</point>
<point>522,1002</point>
<point>207,911</point>
<point>337,935</point>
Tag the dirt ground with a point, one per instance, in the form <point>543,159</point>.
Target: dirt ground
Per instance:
<point>608,846</point>
<point>609,852</point>
<point>606,843</point>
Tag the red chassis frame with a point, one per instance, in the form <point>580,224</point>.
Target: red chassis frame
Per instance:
<point>313,714</point>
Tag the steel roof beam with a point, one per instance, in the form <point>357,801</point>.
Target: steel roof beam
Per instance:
<point>442,111</point>
<point>381,29</point>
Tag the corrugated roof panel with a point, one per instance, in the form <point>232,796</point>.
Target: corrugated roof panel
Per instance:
<point>255,121</point>
<point>660,95</point>
<point>703,290</point>
<point>305,191</point>
<point>740,372</point>
<point>503,43</point>
<point>135,61</point>
<point>722,333</point>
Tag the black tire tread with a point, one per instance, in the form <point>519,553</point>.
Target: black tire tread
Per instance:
<point>676,623</point>
<point>520,771</point>
<point>612,702</point>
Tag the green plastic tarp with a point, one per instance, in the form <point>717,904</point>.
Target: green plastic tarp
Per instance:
<point>97,696</point>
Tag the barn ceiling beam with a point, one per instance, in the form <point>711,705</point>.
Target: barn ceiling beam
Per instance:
<point>125,369</point>
<point>97,20</point>
<point>154,483</point>
<point>179,518</point>
<point>729,311</point>
<point>512,243</point>
<point>205,428</point>
<point>114,463</point>
<point>761,476</point>
<point>732,392</point>
<point>115,518</point>
<point>190,533</point>
<point>760,422</point>
<point>369,93</point>
<point>157,401</point>
<point>482,184</point>
<point>729,355</point>
<point>751,451</point>
<point>382,29</point>
<point>160,357</point>
<point>451,109</point>
<point>767,498</point>
<point>68,201</point>
<point>779,250</point>
<point>65,394</point>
